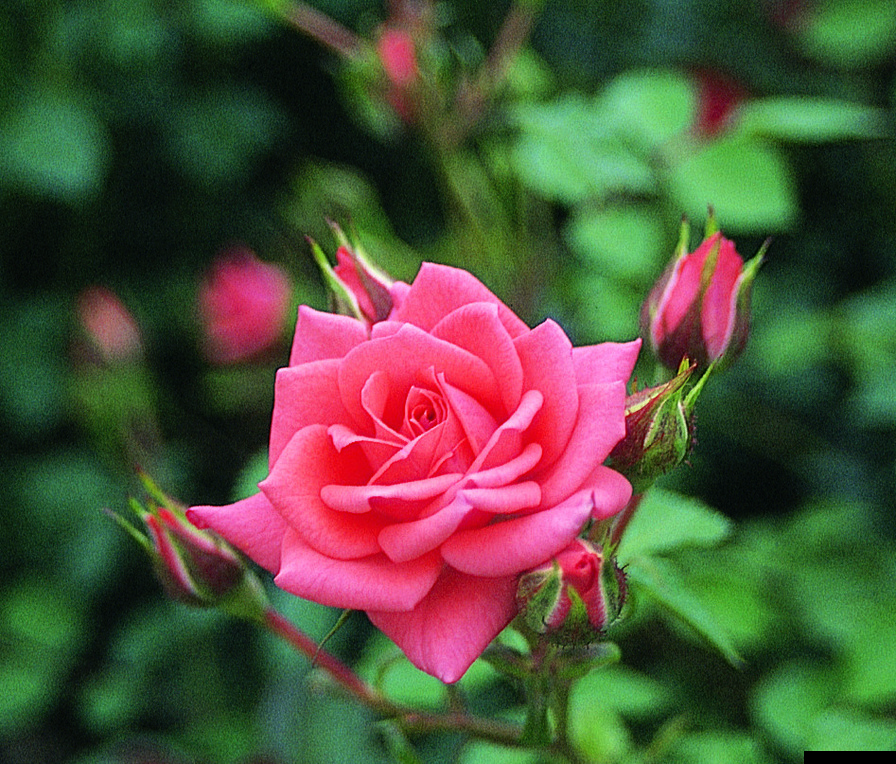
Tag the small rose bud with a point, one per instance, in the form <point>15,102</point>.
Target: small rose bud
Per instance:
<point>357,287</point>
<point>573,599</point>
<point>718,98</point>
<point>244,305</point>
<point>109,325</point>
<point>659,431</point>
<point>194,566</point>
<point>397,53</point>
<point>700,307</point>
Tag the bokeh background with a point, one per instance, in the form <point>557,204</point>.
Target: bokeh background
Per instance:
<point>140,139</point>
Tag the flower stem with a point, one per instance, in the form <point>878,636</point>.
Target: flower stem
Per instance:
<point>409,719</point>
<point>624,518</point>
<point>320,27</point>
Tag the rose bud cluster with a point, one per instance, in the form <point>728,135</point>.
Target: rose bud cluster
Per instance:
<point>574,598</point>
<point>700,307</point>
<point>244,304</point>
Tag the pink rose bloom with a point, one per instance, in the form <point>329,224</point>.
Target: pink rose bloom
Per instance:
<point>421,464</point>
<point>700,306</point>
<point>243,304</point>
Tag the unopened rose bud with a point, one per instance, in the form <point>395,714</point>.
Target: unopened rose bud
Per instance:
<point>109,325</point>
<point>244,305</point>
<point>397,53</point>
<point>573,599</point>
<point>357,287</point>
<point>659,430</point>
<point>700,307</point>
<point>194,566</point>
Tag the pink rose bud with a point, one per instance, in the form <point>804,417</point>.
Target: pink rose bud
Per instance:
<point>717,100</point>
<point>244,305</point>
<point>574,598</point>
<point>659,430</point>
<point>109,325</point>
<point>195,567</point>
<point>397,53</point>
<point>700,307</point>
<point>357,287</point>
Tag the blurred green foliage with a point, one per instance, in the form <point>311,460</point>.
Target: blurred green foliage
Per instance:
<point>140,137</point>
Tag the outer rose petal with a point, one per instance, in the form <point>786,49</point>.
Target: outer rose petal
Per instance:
<point>719,309</point>
<point>607,362</point>
<point>251,525</point>
<point>453,624</point>
<point>546,355</point>
<point>304,395</point>
<point>308,463</point>
<point>370,583</point>
<point>610,491</point>
<point>512,546</point>
<point>439,289</point>
<point>320,336</point>
<point>599,427</point>
<point>477,328</point>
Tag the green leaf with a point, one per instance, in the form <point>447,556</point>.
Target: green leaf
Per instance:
<point>747,182</point>
<point>624,242</point>
<point>569,150</point>
<point>849,33</point>
<point>718,747</point>
<point>649,107</point>
<point>785,703</point>
<point>660,582</point>
<point>810,119</point>
<point>667,520</point>
<point>841,729</point>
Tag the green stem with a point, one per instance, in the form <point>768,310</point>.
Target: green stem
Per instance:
<point>409,719</point>
<point>321,28</point>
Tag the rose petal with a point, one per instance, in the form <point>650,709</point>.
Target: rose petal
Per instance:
<point>509,471</point>
<point>507,441</point>
<point>477,423</point>
<point>505,499</point>
<point>546,356</point>
<point>320,336</point>
<point>305,395</point>
<point>599,427</point>
<point>453,624</point>
<point>363,498</point>
<point>406,541</point>
<point>477,328</point>
<point>407,357</point>
<point>512,546</point>
<point>718,310</point>
<point>610,492</point>
<point>439,289</point>
<point>607,362</point>
<point>308,463</point>
<point>251,525</point>
<point>371,582</point>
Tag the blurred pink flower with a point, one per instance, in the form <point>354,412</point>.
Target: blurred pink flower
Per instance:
<point>244,305</point>
<point>109,324</point>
